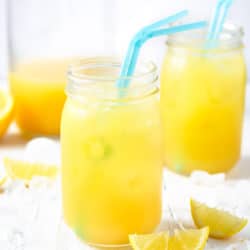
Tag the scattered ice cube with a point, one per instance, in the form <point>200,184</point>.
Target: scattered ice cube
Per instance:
<point>231,244</point>
<point>39,150</point>
<point>40,182</point>
<point>204,178</point>
<point>43,150</point>
<point>16,240</point>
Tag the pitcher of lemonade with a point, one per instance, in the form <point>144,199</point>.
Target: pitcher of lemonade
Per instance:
<point>44,37</point>
<point>202,101</point>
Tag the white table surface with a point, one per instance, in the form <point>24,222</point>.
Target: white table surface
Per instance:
<point>31,220</point>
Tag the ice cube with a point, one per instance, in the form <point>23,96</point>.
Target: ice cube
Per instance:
<point>43,150</point>
<point>204,178</point>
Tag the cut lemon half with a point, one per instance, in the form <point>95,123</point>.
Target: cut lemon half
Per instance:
<point>157,241</point>
<point>19,169</point>
<point>222,224</point>
<point>6,111</point>
<point>189,239</point>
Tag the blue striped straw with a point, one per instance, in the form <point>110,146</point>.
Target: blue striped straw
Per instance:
<point>217,22</point>
<point>129,64</point>
<point>173,30</point>
<point>164,21</point>
<point>222,19</point>
<point>134,46</point>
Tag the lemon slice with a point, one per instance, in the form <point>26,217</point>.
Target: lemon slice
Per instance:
<point>6,111</point>
<point>3,176</point>
<point>157,241</point>
<point>222,224</point>
<point>19,169</point>
<point>3,180</point>
<point>189,239</point>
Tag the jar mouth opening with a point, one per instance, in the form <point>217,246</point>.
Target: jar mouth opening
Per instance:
<point>230,38</point>
<point>107,69</point>
<point>97,77</point>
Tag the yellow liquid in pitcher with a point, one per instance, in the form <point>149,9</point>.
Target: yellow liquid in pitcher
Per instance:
<point>202,103</point>
<point>38,90</point>
<point>112,169</point>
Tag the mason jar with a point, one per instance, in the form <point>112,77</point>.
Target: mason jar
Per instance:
<point>44,37</point>
<point>111,152</point>
<point>202,101</point>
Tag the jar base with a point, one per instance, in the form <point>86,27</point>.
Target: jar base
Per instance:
<point>67,240</point>
<point>187,169</point>
<point>110,247</point>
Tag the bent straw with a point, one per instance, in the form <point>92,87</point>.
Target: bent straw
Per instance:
<point>222,19</point>
<point>164,21</point>
<point>133,51</point>
<point>135,45</point>
<point>173,30</point>
<point>217,22</point>
<point>214,20</point>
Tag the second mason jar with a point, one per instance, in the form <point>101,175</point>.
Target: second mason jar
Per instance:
<point>202,101</point>
<point>111,152</point>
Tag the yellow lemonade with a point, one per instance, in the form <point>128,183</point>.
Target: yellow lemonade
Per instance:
<point>202,104</point>
<point>111,166</point>
<point>38,90</point>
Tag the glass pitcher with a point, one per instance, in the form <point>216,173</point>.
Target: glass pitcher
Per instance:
<point>44,37</point>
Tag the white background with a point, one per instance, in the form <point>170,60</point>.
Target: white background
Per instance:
<point>118,20</point>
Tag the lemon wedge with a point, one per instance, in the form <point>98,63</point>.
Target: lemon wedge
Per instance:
<point>6,111</point>
<point>189,239</point>
<point>156,241</point>
<point>222,224</point>
<point>3,180</point>
<point>3,176</point>
<point>19,169</point>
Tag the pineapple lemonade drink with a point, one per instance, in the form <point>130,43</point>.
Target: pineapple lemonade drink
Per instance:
<point>38,89</point>
<point>202,102</point>
<point>111,153</point>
